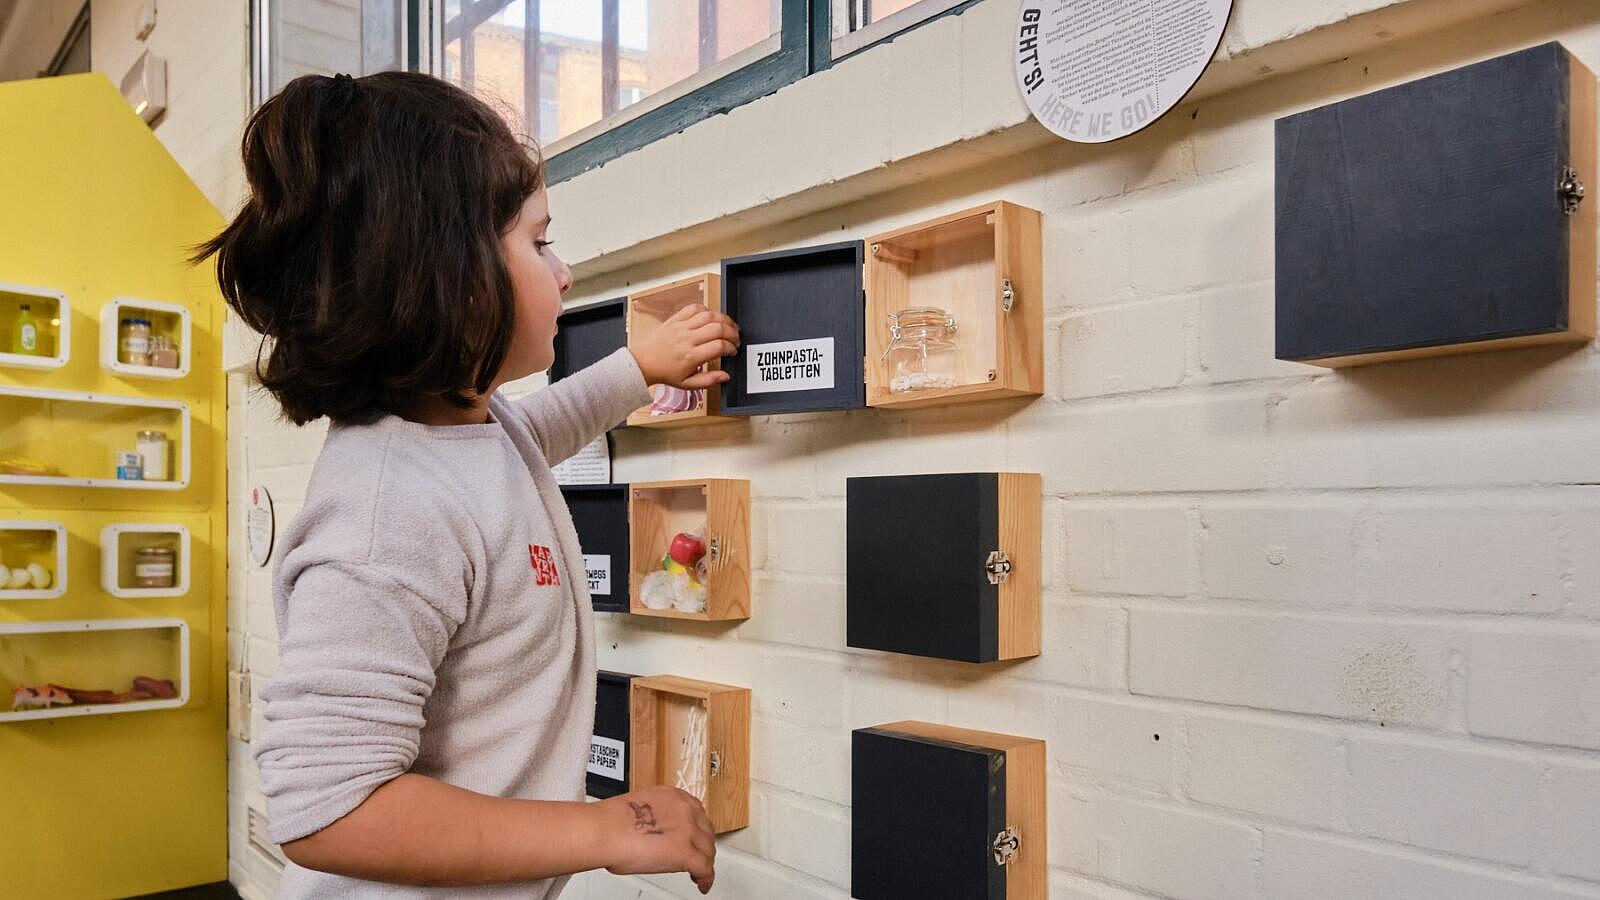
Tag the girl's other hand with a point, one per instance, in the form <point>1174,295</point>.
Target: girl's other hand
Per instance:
<point>660,829</point>
<point>690,338</point>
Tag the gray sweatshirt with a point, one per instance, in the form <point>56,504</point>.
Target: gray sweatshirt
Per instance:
<point>433,617</point>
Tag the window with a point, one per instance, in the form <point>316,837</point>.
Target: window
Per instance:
<point>858,24</point>
<point>586,66</point>
<point>325,37</point>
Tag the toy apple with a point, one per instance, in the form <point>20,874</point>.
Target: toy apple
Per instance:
<point>686,550</point>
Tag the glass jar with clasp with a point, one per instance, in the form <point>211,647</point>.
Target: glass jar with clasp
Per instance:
<point>922,355</point>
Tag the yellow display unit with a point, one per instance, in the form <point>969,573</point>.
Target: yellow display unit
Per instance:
<point>125,796</point>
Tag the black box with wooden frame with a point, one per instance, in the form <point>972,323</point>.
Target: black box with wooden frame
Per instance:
<point>610,748</point>
<point>1440,216</point>
<point>587,334</point>
<point>659,510</point>
<point>694,735</point>
<point>944,566</point>
<point>600,515</point>
<point>942,812</point>
<point>982,266</point>
<point>647,311</point>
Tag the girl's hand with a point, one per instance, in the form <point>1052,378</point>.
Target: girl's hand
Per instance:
<point>690,338</point>
<point>660,829</point>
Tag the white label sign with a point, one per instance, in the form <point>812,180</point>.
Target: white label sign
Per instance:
<point>789,366</point>
<point>598,565</point>
<point>1097,70</point>
<point>591,465</point>
<point>260,525</point>
<point>608,758</point>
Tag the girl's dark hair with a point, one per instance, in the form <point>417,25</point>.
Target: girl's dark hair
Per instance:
<point>368,251</point>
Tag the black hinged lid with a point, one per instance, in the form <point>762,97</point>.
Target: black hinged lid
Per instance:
<point>600,514</point>
<point>921,553</point>
<point>587,334</point>
<point>924,817</point>
<point>795,308</point>
<point>1426,214</point>
<point>613,723</point>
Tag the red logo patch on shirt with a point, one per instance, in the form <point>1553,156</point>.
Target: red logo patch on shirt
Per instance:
<point>544,566</point>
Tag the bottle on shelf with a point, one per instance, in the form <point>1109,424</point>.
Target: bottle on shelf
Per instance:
<point>25,336</point>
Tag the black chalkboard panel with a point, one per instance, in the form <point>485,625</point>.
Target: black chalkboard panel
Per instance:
<point>924,813</point>
<point>796,295</point>
<point>914,572</point>
<point>587,334</point>
<point>612,727</point>
<point>600,514</point>
<point>1428,215</point>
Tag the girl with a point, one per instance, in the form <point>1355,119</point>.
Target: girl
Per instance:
<point>429,720</point>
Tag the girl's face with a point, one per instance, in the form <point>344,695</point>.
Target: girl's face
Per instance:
<point>538,279</point>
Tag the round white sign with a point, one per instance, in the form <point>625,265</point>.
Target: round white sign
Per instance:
<point>260,525</point>
<point>1096,70</point>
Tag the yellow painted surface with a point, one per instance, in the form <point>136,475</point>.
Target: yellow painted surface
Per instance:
<point>110,805</point>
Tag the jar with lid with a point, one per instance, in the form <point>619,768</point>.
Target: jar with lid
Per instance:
<point>155,451</point>
<point>922,354</point>
<point>133,341</point>
<point>163,352</point>
<point>155,567</point>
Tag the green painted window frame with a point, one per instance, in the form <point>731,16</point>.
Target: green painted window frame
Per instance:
<point>806,47</point>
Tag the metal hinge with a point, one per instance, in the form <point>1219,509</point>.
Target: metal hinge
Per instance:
<point>1009,296</point>
<point>998,567</point>
<point>1570,188</point>
<point>1007,846</point>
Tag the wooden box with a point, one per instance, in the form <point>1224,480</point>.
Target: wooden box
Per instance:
<point>1436,217</point>
<point>695,735</point>
<point>600,515</point>
<point>944,566</point>
<point>941,812</point>
<point>647,310</point>
<point>587,334</point>
<point>658,510</point>
<point>983,266</point>
<point>613,725</point>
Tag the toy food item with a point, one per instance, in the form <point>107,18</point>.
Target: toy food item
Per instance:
<point>671,400</point>
<point>686,549</point>
<point>156,687</point>
<point>17,579</point>
<point>39,576</point>
<point>680,583</point>
<point>43,696</point>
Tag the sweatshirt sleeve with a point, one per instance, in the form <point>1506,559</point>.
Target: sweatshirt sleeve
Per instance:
<point>567,415</point>
<point>344,708</point>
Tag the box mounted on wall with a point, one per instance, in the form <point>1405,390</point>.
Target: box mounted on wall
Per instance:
<point>694,735</point>
<point>600,515</point>
<point>1440,216</point>
<point>944,566</point>
<point>609,747</point>
<point>947,812</point>
<point>944,311</point>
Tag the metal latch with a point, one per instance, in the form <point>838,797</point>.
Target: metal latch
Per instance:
<point>716,764</point>
<point>1570,188</point>
<point>1007,845</point>
<point>998,567</point>
<point>1009,296</point>
<point>714,550</point>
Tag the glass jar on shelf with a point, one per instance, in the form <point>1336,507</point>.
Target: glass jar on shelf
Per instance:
<point>922,355</point>
<point>133,341</point>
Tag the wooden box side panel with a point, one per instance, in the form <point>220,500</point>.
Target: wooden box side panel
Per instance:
<point>1028,875</point>
<point>1581,247</point>
<point>1021,502</point>
<point>1019,250</point>
<point>728,800</point>
<point>728,520</point>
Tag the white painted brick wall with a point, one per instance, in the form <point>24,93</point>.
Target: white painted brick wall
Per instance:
<point>1307,634</point>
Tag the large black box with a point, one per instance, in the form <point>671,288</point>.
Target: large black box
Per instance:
<point>1431,217</point>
